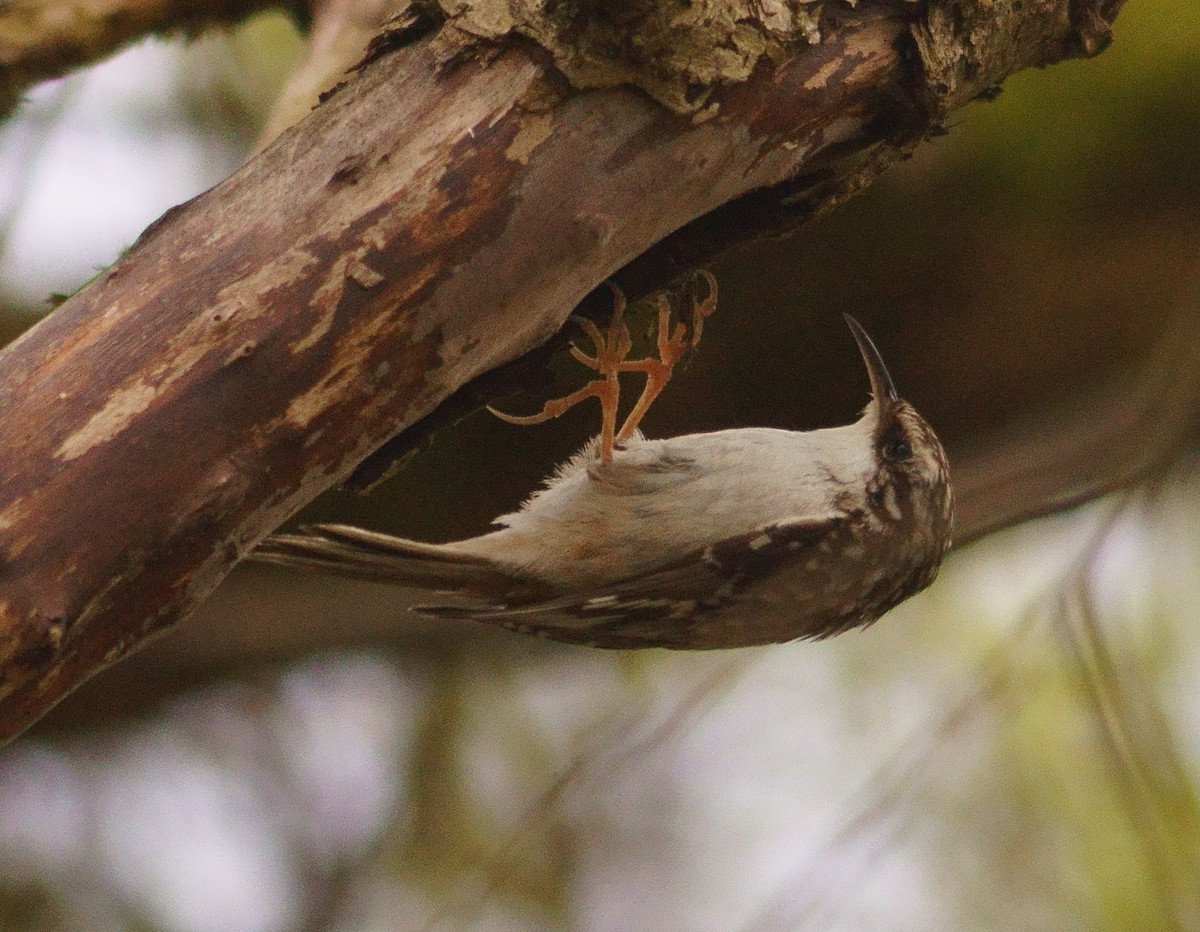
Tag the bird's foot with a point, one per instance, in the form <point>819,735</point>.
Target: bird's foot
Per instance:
<point>673,345</point>
<point>610,351</point>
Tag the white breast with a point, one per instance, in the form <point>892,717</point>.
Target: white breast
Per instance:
<point>661,499</point>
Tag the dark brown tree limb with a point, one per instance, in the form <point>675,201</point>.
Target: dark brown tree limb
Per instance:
<point>436,217</point>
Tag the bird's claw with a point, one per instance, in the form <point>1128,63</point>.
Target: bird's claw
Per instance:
<point>610,357</point>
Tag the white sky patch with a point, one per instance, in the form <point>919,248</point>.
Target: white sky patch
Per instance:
<point>71,215</point>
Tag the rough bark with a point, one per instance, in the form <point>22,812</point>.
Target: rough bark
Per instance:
<point>436,217</point>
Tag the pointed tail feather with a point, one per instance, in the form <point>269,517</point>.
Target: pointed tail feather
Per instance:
<point>361,554</point>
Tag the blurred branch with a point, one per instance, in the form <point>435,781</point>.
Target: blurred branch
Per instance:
<point>1146,762</point>
<point>1127,432</point>
<point>438,215</point>
<point>42,39</point>
<point>339,31</point>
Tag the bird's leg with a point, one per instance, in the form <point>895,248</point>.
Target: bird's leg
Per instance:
<point>672,346</point>
<point>610,350</point>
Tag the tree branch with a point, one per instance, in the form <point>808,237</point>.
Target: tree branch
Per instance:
<point>436,217</point>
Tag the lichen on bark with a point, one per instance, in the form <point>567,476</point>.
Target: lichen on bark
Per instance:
<point>676,51</point>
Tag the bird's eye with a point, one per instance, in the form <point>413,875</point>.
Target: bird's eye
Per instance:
<point>898,450</point>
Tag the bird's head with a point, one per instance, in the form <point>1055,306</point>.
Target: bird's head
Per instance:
<point>911,482</point>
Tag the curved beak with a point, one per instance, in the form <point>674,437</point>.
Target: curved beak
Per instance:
<point>881,382</point>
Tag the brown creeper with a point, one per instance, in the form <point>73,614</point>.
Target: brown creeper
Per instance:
<point>724,539</point>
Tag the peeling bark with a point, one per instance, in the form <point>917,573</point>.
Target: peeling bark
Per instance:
<point>433,219</point>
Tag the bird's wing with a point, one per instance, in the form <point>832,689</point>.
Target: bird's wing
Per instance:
<point>665,607</point>
<point>357,553</point>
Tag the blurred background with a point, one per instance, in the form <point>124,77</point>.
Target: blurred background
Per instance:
<point>1018,747</point>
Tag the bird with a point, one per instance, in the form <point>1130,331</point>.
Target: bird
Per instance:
<point>730,538</point>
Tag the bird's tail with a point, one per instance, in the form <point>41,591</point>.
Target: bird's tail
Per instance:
<point>361,554</point>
